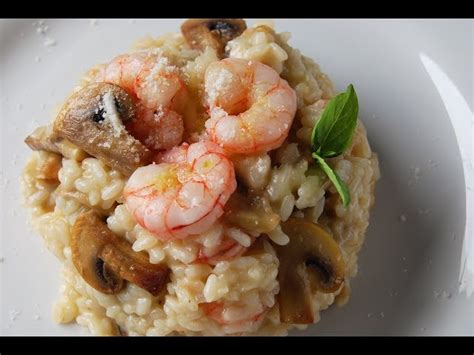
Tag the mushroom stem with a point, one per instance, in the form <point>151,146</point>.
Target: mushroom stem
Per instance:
<point>43,138</point>
<point>310,262</point>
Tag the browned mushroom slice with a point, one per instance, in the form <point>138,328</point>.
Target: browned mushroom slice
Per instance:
<point>43,138</point>
<point>50,167</point>
<point>104,260</point>
<point>93,119</point>
<point>214,33</point>
<point>250,213</point>
<point>87,240</point>
<point>311,261</point>
<point>135,267</point>
<point>257,247</point>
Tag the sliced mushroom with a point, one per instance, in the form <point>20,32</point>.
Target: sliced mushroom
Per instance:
<point>214,33</point>
<point>50,167</point>
<point>104,260</point>
<point>43,138</point>
<point>87,240</point>
<point>311,261</point>
<point>257,247</point>
<point>93,119</point>
<point>252,213</point>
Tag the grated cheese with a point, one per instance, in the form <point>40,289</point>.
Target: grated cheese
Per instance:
<point>446,295</point>
<point>42,29</point>
<point>14,314</point>
<point>224,78</point>
<point>111,114</point>
<point>49,42</point>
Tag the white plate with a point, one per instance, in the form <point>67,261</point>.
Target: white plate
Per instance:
<point>414,80</point>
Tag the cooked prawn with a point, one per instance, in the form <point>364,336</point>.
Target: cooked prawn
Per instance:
<point>251,107</point>
<point>227,249</point>
<point>159,91</point>
<point>221,245</point>
<point>235,317</point>
<point>184,194</point>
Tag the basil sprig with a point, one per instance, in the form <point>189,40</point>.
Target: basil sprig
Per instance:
<point>332,135</point>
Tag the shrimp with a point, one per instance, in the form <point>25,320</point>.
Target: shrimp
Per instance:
<point>159,92</point>
<point>251,107</point>
<point>220,246</point>
<point>227,249</point>
<point>184,194</point>
<point>235,317</point>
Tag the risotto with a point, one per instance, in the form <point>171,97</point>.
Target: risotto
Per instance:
<point>184,191</point>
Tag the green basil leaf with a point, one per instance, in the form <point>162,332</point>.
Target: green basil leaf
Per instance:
<point>333,132</point>
<point>341,187</point>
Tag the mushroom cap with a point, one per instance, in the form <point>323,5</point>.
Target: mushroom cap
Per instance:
<point>93,119</point>
<point>87,240</point>
<point>311,261</point>
<point>214,33</point>
<point>104,260</point>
